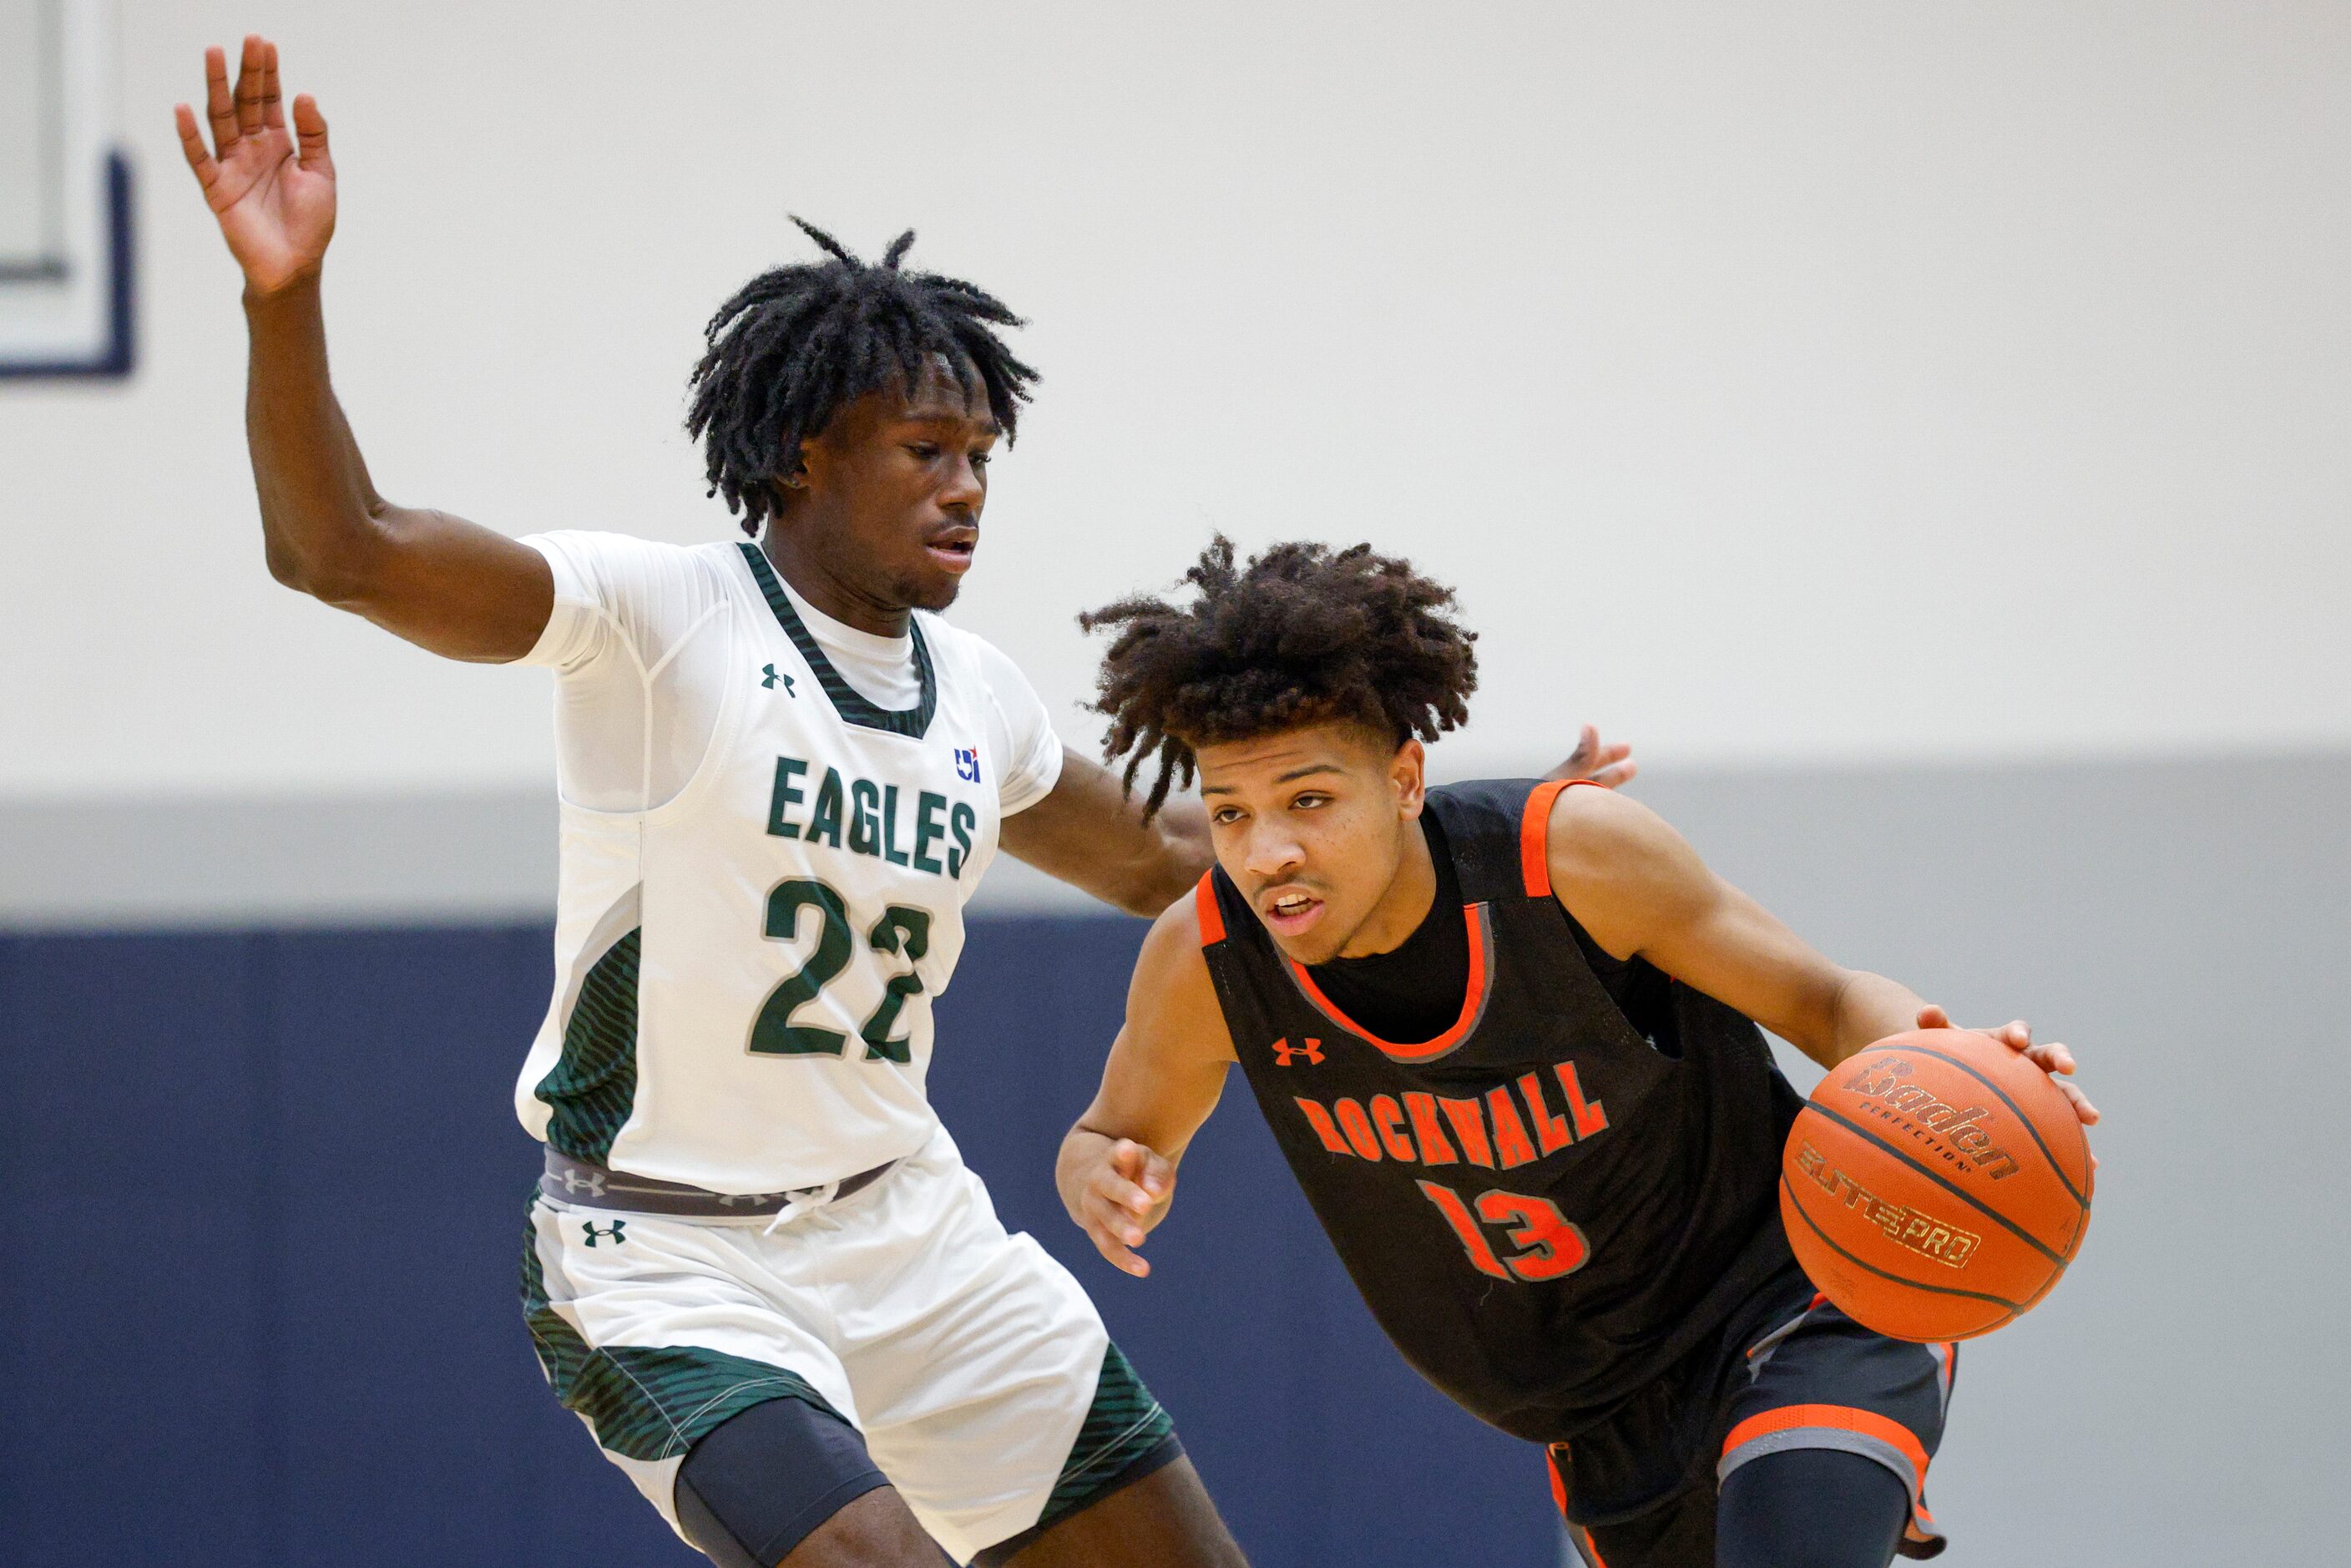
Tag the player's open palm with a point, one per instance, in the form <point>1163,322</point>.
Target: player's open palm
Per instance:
<point>273,192</point>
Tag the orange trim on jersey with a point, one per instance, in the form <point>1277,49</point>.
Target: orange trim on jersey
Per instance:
<point>1473,1001</point>
<point>1203,904</point>
<point>1534,833</point>
<point>1839,1418</point>
<point>1592,1550</point>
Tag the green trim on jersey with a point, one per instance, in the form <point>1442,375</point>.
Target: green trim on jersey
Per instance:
<point>644,1402</point>
<point>852,707</point>
<point>1122,1424</point>
<point>592,1086</point>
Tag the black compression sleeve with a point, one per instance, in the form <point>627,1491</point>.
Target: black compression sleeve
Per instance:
<point>1810,1508</point>
<point>763,1480</point>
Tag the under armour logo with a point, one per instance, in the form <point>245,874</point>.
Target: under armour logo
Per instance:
<point>1285,1054</point>
<point>589,1182</point>
<point>612,1235</point>
<point>772,677</point>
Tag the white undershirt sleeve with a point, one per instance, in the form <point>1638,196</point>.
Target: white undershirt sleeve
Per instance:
<point>576,630</point>
<point>1027,753</point>
<point>639,676</point>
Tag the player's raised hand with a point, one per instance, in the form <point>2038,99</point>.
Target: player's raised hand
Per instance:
<point>273,192</point>
<point>1609,765</point>
<point>1119,1193</point>
<point>2051,1057</point>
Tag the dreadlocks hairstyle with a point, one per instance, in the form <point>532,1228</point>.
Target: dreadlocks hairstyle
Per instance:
<point>1302,634</point>
<point>797,343</point>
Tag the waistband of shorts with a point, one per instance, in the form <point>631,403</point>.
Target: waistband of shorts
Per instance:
<point>586,1185</point>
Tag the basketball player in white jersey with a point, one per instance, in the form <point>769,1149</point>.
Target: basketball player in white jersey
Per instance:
<point>757,1268</point>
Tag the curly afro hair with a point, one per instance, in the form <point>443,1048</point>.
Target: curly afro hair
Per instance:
<point>798,342</point>
<point>1302,634</point>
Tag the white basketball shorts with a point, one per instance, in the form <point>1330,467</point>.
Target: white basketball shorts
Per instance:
<point>981,1377</point>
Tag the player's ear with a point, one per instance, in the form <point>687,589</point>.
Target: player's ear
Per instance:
<point>1408,773</point>
<point>797,477</point>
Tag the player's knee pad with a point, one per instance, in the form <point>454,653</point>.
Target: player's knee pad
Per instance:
<point>762,1481</point>
<point>1810,1508</point>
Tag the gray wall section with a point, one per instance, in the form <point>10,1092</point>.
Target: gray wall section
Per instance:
<point>2185,1396</point>
<point>192,862</point>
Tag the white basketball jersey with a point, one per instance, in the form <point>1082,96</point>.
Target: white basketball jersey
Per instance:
<point>745,972</point>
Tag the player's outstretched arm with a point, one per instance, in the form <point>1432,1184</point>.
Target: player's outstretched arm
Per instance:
<point>1117,1167</point>
<point>442,583</point>
<point>1638,886</point>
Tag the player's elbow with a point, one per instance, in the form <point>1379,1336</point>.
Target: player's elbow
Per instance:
<point>342,575</point>
<point>286,567</point>
<point>334,552</point>
<point>329,582</point>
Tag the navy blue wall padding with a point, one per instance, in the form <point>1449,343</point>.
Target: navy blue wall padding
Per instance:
<point>263,1202</point>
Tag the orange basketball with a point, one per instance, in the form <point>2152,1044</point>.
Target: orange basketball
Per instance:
<point>1936,1185</point>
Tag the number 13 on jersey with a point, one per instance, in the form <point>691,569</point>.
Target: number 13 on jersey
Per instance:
<point>1548,1243</point>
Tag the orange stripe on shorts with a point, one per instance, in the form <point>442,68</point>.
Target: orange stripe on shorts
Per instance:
<point>1837,1418</point>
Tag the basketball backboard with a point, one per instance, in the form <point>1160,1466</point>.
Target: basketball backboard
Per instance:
<point>66,254</point>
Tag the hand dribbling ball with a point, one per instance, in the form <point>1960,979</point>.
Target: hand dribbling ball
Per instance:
<point>1936,1186</point>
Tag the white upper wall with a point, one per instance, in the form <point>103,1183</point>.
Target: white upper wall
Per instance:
<point>1842,379</point>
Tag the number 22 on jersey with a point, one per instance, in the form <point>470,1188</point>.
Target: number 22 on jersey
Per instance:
<point>900,930</point>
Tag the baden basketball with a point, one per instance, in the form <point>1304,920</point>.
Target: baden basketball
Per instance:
<point>1936,1185</point>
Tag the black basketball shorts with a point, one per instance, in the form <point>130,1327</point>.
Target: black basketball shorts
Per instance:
<point>1640,1492</point>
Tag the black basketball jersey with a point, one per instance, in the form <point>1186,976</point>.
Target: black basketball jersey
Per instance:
<point>1543,1208</point>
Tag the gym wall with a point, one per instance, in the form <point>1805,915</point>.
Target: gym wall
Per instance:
<point>1829,380</point>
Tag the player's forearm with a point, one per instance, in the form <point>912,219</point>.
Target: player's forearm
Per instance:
<point>1164,858</point>
<point>1868,1008</point>
<point>1186,854</point>
<point>1091,834</point>
<point>317,504</point>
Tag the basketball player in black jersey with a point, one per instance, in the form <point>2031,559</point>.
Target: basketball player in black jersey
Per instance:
<point>1501,1032</point>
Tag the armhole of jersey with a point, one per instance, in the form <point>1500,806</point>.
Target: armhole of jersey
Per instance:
<point>1204,904</point>
<point>1534,833</point>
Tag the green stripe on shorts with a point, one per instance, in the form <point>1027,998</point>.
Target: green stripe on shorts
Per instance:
<point>1123,1424</point>
<point>645,1402</point>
